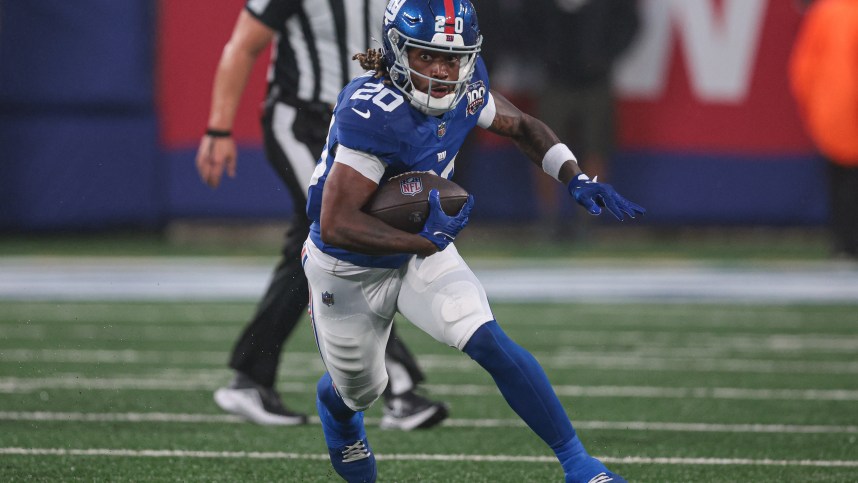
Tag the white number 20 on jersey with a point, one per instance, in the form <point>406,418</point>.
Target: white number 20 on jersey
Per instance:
<point>381,96</point>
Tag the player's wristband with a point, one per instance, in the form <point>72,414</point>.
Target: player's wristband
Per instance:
<point>554,159</point>
<point>218,133</point>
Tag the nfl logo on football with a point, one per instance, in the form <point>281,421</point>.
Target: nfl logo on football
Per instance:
<point>411,185</point>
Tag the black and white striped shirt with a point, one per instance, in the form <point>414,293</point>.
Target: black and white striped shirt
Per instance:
<point>312,58</point>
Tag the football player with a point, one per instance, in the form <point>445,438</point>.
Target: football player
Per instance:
<point>428,88</point>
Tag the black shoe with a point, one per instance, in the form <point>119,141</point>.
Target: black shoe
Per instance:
<point>253,402</point>
<point>411,411</point>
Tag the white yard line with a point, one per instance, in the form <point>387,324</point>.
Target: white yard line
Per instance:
<point>665,392</point>
<point>156,278</point>
<point>26,385</point>
<point>453,422</point>
<point>155,453</point>
<point>301,362</point>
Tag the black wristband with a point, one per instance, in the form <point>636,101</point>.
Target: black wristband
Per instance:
<point>217,133</point>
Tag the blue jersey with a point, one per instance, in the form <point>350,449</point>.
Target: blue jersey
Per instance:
<point>377,119</point>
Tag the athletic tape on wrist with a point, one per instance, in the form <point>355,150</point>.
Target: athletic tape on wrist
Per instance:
<point>554,159</point>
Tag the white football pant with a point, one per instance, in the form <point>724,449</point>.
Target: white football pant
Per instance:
<point>352,309</point>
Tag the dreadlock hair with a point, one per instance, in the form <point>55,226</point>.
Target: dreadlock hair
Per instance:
<point>373,59</point>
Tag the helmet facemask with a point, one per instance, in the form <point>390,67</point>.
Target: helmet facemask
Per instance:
<point>401,72</point>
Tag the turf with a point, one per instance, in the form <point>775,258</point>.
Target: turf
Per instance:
<point>122,392</point>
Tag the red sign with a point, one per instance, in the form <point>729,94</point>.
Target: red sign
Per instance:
<point>707,75</point>
<point>703,76</point>
<point>192,35</point>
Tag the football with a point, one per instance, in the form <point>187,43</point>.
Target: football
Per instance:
<point>403,201</point>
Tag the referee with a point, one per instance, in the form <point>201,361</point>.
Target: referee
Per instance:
<point>313,42</point>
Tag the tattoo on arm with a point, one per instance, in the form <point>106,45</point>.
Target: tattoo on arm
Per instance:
<point>531,135</point>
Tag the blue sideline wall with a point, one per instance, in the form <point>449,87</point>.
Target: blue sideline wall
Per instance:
<point>78,132</point>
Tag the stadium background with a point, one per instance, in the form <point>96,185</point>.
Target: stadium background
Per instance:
<point>102,104</point>
<point>714,340</point>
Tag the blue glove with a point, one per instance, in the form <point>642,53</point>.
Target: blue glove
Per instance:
<point>594,196</point>
<point>440,228</point>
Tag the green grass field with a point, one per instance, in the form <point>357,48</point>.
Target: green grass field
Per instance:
<point>122,391</point>
<point>677,393</point>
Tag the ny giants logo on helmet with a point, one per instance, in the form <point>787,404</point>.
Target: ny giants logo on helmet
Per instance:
<point>411,185</point>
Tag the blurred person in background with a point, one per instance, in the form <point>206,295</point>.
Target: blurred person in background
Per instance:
<point>513,65</point>
<point>313,43</point>
<point>579,44</point>
<point>824,79</point>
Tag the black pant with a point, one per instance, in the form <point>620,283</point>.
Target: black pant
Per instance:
<point>257,351</point>
<point>843,208</point>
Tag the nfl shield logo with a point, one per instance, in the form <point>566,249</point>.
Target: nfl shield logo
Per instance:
<point>442,129</point>
<point>328,298</point>
<point>411,185</point>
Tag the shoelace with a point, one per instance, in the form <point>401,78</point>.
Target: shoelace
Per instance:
<point>355,452</point>
<point>601,478</point>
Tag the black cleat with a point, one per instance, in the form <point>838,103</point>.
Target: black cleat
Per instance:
<point>410,411</point>
<point>255,403</point>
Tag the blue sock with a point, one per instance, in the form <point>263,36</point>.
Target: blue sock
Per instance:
<point>341,424</point>
<point>526,389</point>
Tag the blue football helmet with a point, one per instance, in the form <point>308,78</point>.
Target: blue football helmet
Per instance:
<point>446,26</point>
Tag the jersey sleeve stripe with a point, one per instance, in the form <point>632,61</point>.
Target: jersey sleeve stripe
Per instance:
<point>366,164</point>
